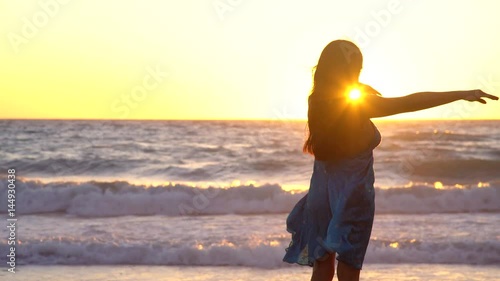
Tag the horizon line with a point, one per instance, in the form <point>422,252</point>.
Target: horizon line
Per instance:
<point>249,119</point>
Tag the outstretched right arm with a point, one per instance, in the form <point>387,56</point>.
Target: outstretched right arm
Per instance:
<point>377,106</point>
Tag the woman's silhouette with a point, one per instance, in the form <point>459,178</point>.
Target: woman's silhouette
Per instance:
<point>335,217</point>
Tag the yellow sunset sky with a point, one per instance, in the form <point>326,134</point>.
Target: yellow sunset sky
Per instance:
<point>235,59</point>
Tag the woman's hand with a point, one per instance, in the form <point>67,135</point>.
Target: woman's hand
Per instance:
<point>368,89</point>
<point>478,95</point>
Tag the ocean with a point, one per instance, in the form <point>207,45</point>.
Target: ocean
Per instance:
<point>208,200</point>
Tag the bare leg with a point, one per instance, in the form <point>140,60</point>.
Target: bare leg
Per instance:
<point>346,272</point>
<point>324,268</point>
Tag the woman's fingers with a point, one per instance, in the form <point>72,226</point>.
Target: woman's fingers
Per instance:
<point>490,96</point>
<point>369,90</point>
<point>478,95</point>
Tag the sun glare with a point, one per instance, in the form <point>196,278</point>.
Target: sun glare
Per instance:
<point>354,94</point>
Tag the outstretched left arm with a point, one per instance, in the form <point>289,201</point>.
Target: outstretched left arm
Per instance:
<point>377,106</point>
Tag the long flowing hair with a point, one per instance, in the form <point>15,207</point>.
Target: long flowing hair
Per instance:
<point>331,123</point>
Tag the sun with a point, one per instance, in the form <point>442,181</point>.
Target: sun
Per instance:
<point>354,94</point>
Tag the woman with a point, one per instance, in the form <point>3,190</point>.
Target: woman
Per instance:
<point>335,217</point>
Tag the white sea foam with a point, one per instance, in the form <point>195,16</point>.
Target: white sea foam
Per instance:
<point>263,255</point>
<point>104,199</point>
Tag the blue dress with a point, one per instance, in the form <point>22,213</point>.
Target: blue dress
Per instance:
<point>336,215</point>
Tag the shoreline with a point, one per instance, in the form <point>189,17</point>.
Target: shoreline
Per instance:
<point>380,272</point>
